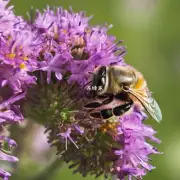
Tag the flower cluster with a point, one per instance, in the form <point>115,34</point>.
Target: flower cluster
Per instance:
<point>44,63</point>
<point>71,47</point>
<point>95,147</point>
<point>14,79</point>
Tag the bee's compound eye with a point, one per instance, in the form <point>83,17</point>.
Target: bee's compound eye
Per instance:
<point>103,80</point>
<point>102,70</point>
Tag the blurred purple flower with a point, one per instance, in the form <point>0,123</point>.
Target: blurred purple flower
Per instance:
<point>15,64</point>
<point>9,114</point>
<point>7,18</point>
<point>4,142</point>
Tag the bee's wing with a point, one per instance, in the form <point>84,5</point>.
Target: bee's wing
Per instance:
<point>148,102</point>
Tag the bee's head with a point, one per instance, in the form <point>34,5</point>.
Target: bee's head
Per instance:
<point>100,80</point>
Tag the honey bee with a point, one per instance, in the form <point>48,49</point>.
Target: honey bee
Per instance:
<point>116,79</point>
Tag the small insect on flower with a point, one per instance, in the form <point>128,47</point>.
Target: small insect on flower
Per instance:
<point>116,79</point>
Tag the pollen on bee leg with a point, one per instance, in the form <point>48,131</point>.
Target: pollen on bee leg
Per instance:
<point>108,126</point>
<point>103,129</point>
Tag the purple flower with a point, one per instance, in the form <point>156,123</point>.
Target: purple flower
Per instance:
<point>133,157</point>
<point>43,65</point>
<point>16,61</point>
<point>16,40</point>
<point>4,141</point>
<point>67,51</point>
<point>9,114</point>
<point>94,146</point>
<point>73,47</point>
<point>4,175</point>
<point>17,79</point>
<point>7,18</point>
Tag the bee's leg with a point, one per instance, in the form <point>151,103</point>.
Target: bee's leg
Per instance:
<point>92,105</point>
<point>108,100</point>
<point>96,115</point>
<point>123,96</point>
<point>120,110</point>
<point>103,114</point>
<point>90,94</point>
<point>97,103</point>
<point>106,113</point>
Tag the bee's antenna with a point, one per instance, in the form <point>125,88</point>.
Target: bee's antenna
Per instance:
<point>80,89</point>
<point>91,73</point>
<point>114,63</point>
<point>86,84</point>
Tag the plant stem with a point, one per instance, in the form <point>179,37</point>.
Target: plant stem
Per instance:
<point>48,172</point>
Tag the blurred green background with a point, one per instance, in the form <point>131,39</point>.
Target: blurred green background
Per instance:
<point>151,31</point>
